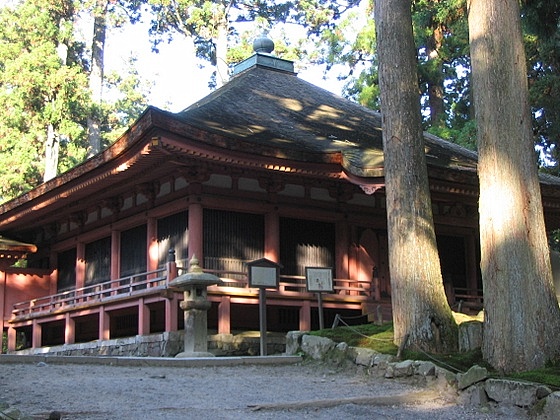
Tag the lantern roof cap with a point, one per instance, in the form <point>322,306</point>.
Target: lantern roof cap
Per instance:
<point>194,277</point>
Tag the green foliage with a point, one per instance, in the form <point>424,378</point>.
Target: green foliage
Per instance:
<point>242,48</point>
<point>44,72</point>
<point>554,240</point>
<point>541,22</point>
<point>466,136</point>
<point>21,341</point>
<point>441,38</point>
<point>37,89</point>
<point>207,21</point>
<point>202,20</point>
<point>130,98</point>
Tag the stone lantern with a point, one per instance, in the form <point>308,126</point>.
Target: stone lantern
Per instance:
<point>195,304</point>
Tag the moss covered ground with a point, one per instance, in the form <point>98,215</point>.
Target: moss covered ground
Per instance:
<point>380,338</point>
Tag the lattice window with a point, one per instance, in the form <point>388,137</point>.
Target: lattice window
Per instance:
<point>98,261</point>
<point>232,239</point>
<point>66,263</point>
<point>173,233</point>
<point>133,251</point>
<point>305,243</point>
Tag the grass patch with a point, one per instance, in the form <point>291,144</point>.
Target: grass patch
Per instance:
<point>549,375</point>
<point>371,336</point>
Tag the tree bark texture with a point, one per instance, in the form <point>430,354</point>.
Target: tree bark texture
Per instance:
<point>52,146</point>
<point>522,317</point>
<point>96,75</point>
<point>435,85</point>
<point>420,308</point>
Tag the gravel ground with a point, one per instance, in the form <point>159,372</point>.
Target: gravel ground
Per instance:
<point>307,391</point>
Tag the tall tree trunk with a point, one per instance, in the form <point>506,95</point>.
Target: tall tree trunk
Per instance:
<point>51,154</point>
<point>96,76</point>
<point>52,145</point>
<point>522,317</point>
<point>220,43</point>
<point>420,308</point>
<point>435,79</point>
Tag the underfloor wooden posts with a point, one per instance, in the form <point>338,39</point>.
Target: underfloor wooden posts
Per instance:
<point>69,329</point>
<point>305,316</point>
<point>224,315</point>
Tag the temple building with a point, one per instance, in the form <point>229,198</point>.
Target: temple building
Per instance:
<point>268,166</point>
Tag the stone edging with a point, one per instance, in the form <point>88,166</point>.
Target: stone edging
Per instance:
<point>473,388</point>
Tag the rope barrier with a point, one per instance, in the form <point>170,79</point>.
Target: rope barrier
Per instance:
<point>356,331</point>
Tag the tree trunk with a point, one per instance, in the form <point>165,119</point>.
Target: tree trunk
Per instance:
<point>220,43</point>
<point>51,154</point>
<point>96,76</point>
<point>52,145</point>
<point>522,317</point>
<point>420,308</point>
<point>435,78</point>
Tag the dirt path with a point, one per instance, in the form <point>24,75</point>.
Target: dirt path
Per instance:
<point>229,392</point>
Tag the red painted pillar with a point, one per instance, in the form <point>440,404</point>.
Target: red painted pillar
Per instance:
<point>171,307</point>
<point>36,334</point>
<point>115,254</point>
<point>80,265</point>
<point>224,315</point>
<point>143,318</point>
<point>11,339</point>
<point>69,329</point>
<point>53,262</point>
<point>171,266</point>
<point>152,243</point>
<point>171,304</point>
<point>342,250</point>
<point>305,316</point>
<point>272,236</point>
<point>104,324</point>
<point>115,260</point>
<point>196,235</point>
<point>3,281</point>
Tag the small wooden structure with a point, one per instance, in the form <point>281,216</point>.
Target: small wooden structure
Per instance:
<point>12,251</point>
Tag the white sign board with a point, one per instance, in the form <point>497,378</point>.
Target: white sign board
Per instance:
<point>266,277</point>
<point>319,279</point>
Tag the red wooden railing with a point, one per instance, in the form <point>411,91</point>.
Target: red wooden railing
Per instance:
<point>139,284</point>
<point>125,286</point>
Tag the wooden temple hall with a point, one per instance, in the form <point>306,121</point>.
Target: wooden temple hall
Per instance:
<point>268,166</point>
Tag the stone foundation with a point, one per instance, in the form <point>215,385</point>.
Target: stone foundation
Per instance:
<point>245,344</point>
<point>167,344</point>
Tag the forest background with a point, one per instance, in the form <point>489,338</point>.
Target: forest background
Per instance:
<point>63,103</point>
